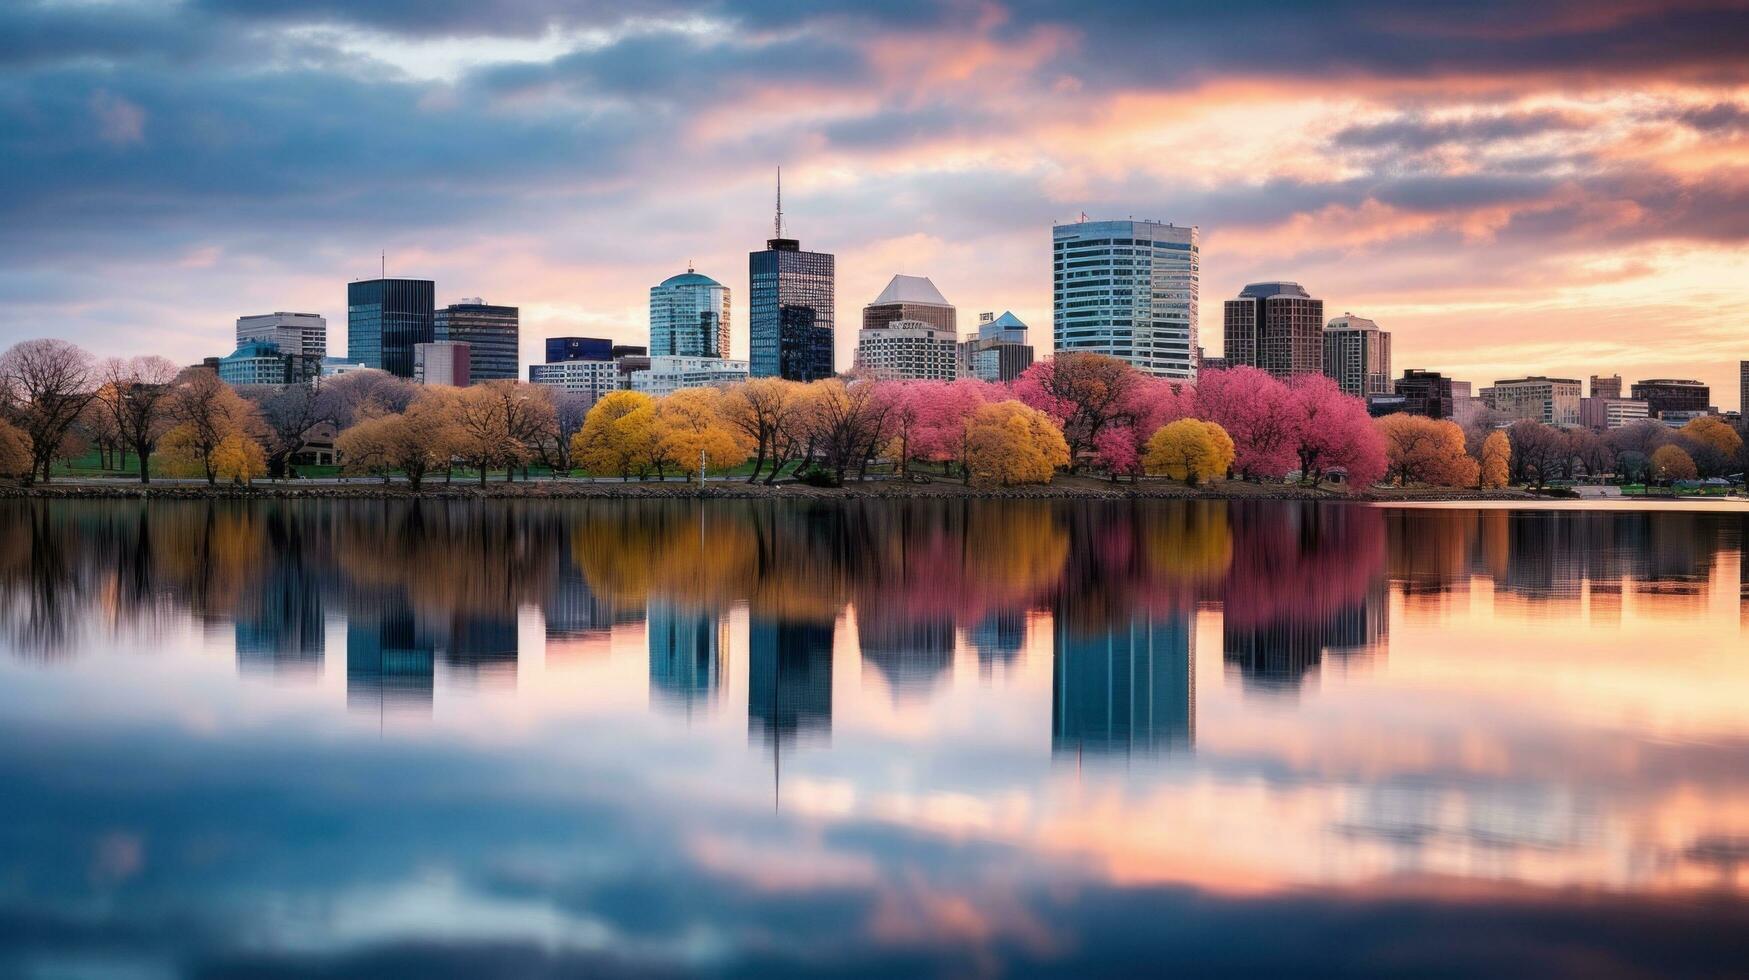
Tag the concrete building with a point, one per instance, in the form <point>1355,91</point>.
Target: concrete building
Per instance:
<point>791,311</point>
<point>1128,289</point>
<point>1427,393</point>
<point>334,367</point>
<point>1276,326</point>
<point>909,350</point>
<point>579,349</point>
<point>493,335</point>
<point>1357,356</point>
<point>594,377</point>
<point>305,334</point>
<point>910,298</point>
<point>443,362</point>
<point>1554,401</point>
<point>1663,395</point>
<point>666,375</point>
<point>999,352</point>
<point>1603,413</point>
<point>385,318</point>
<point>689,316</point>
<point>1606,387</point>
<point>1464,406</point>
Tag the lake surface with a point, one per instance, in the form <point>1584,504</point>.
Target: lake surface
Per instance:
<point>509,738</point>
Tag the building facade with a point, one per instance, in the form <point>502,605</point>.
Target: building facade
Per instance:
<point>1673,395</point>
<point>579,349</point>
<point>1357,356</point>
<point>1606,387</point>
<point>594,378</point>
<point>1276,326</point>
<point>305,334</point>
<point>909,350</point>
<point>666,374</point>
<point>689,317</point>
<point>260,362</point>
<point>790,313</point>
<point>1603,413</point>
<point>1427,393</point>
<point>385,318</point>
<point>1552,401</point>
<point>1128,289</point>
<point>443,362</point>
<point>492,333</point>
<point>999,353</point>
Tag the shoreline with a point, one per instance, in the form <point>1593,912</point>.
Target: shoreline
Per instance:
<point>1066,488</point>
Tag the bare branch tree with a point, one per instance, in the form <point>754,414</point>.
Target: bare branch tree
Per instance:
<point>49,384</point>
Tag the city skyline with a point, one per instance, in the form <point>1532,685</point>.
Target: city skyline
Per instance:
<point>1554,193</point>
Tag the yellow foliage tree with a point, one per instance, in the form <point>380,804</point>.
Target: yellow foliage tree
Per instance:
<point>412,443</point>
<point>1715,432</point>
<point>1191,450</point>
<point>1009,443</point>
<point>15,458</point>
<point>1496,468</point>
<point>690,425</point>
<point>239,459</point>
<point>1672,463</point>
<point>618,435</point>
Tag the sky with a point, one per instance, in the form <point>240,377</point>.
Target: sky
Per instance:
<point>1508,186</point>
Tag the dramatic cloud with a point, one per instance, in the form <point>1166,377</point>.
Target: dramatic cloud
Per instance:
<point>1547,187</point>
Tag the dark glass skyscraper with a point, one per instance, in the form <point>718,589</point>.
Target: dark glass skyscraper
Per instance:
<point>385,318</point>
<point>491,332</point>
<point>790,316</point>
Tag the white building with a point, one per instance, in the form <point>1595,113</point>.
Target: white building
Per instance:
<point>689,317</point>
<point>293,333</point>
<point>1357,356</point>
<point>334,367</point>
<point>666,375</point>
<point>1554,401</point>
<point>909,350</point>
<point>1128,289</point>
<point>443,362</point>
<point>1612,413</point>
<point>592,378</point>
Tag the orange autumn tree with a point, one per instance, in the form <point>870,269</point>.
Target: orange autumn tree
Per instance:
<point>1496,466</point>
<point>1673,463</point>
<point>1191,450</point>
<point>1008,443</point>
<point>1427,451</point>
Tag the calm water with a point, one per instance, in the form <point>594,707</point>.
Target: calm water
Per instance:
<point>381,739</point>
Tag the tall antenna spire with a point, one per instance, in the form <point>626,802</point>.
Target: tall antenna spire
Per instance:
<point>779,223</point>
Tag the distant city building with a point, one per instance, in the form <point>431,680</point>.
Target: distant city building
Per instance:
<point>579,349</point>
<point>1611,413</point>
<point>1278,327</point>
<point>1464,406</point>
<point>443,362</point>
<point>260,362</point>
<point>1743,389</point>
<point>910,298</point>
<point>1663,395</point>
<point>1379,406</point>
<point>999,352</point>
<point>629,350</point>
<point>1677,418</point>
<point>689,317</point>
<point>1206,363</point>
<point>593,378</point>
<point>909,350</point>
<point>790,313</point>
<point>1357,356</point>
<point>334,367</point>
<point>1127,289</point>
<point>666,375</point>
<point>492,334</point>
<point>385,318</point>
<point>305,334</point>
<point>1427,393</point>
<point>1553,401</point>
<point>1606,387</point>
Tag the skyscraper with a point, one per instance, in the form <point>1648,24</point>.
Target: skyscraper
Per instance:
<point>1276,326</point>
<point>689,317</point>
<point>304,334</point>
<point>1357,356</point>
<point>492,333</point>
<point>790,314</point>
<point>1128,289</point>
<point>908,333</point>
<point>385,318</point>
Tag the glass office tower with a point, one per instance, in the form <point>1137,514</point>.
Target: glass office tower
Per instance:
<point>689,317</point>
<point>492,333</point>
<point>1128,289</point>
<point>385,318</point>
<point>790,314</point>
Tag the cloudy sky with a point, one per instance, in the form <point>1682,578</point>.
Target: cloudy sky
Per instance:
<point>1510,186</point>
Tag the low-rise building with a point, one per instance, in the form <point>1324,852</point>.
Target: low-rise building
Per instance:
<point>443,362</point>
<point>592,377</point>
<point>1552,401</point>
<point>1603,413</point>
<point>260,362</point>
<point>999,353</point>
<point>1673,395</point>
<point>666,375</point>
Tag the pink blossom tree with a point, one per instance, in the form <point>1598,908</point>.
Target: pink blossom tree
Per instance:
<point>1255,410</point>
<point>943,408</point>
<point>1333,431</point>
<point>1148,405</point>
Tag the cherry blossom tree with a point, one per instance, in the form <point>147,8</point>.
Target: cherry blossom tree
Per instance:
<point>1254,409</point>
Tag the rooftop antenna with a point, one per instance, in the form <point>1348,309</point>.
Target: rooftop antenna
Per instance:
<point>383,257</point>
<point>779,222</point>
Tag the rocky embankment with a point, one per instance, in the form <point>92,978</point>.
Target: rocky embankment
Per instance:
<point>1062,489</point>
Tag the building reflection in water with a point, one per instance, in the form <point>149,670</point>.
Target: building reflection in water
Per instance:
<point>389,663</point>
<point>281,632</point>
<point>789,680</point>
<point>687,650</point>
<point>998,639</point>
<point>1129,689</point>
<point>478,646</point>
<point>911,655</point>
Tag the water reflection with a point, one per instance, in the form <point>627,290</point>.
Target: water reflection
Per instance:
<point>996,734</point>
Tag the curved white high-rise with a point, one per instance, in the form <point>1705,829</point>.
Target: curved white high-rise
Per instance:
<point>689,317</point>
